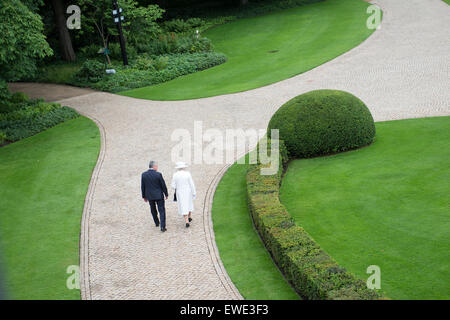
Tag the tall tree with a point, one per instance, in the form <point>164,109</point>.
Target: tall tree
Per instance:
<point>22,41</point>
<point>67,52</point>
<point>33,5</point>
<point>139,24</point>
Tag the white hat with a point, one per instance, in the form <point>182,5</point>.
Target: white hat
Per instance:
<point>180,165</point>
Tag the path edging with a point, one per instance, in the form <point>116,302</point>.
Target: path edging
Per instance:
<point>210,237</point>
<point>85,288</point>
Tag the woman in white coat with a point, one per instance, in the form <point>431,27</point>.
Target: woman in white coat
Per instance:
<point>185,191</point>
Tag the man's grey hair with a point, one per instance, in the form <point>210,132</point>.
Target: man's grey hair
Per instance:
<point>152,164</point>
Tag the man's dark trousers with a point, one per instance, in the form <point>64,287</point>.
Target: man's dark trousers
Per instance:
<point>161,210</point>
<point>154,190</point>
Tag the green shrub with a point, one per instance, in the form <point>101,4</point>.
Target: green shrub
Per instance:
<point>91,71</point>
<point>6,107</point>
<point>144,63</point>
<point>183,26</point>
<point>217,15</point>
<point>172,43</point>
<point>161,63</point>
<point>176,26</point>
<point>116,51</point>
<point>323,122</point>
<point>2,138</point>
<point>174,66</point>
<point>4,91</point>
<point>163,45</point>
<point>21,117</point>
<point>193,44</point>
<point>311,271</point>
<point>10,102</point>
<point>149,64</point>
<point>195,22</point>
<point>90,51</point>
<point>32,120</point>
<point>19,97</point>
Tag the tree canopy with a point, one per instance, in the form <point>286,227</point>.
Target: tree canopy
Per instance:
<point>140,21</point>
<point>22,42</point>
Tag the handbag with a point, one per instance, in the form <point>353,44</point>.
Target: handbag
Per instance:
<point>175,196</point>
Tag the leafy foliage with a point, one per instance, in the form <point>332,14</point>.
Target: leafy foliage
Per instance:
<point>147,71</point>
<point>150,52</point>
<point>216,15</point>
<point>142,24</point>
<point>2,138</point>
<point>317,122</point>
<point>116,51</point>
<point>182,26</point>
<point>91,71</point>
<point>5,94</point>
<point>144,63</point>
<point>139,24</point>
<point>22,42</point>
<point>34,120</point>
<point>21,117</point>
<point>323,122</point>
<point>33,5</point>
<point>173,43</point>
<point>92,51</point>
<point>161,63</point>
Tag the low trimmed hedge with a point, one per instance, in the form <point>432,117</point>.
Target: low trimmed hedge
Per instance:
<point>21,117</point>
<point>176,44</point>
<point>175,65</point>
<point>311,271</point>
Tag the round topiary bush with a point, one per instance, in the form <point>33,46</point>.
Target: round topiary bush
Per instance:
<point>91,71</point>
<point>323,122</point>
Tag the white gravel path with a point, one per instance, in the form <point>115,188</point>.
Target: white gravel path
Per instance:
<point>401,71</point>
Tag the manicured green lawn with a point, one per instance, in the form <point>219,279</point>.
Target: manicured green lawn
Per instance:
<point>386,205</point>
<point>247,262</point>
<point>266,49</point>
<point>44,180</point>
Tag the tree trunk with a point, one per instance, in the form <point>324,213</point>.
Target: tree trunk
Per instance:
<point>65,41</point>
<point>243,2</point>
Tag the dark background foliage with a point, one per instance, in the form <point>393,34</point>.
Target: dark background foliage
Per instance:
<point>323,122</point>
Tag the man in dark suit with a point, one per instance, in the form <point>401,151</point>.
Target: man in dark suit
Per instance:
<point>154,190</point>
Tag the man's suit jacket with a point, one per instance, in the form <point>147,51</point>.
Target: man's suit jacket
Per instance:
<point>153,185</point>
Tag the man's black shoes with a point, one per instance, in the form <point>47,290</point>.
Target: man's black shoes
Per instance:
<point>163,230</point>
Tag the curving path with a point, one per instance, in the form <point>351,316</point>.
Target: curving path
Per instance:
<point>401,71</point>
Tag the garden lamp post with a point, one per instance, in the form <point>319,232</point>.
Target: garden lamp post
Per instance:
<point>118,18</point>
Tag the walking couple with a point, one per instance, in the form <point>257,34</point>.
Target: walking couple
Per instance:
<point>154,191</point>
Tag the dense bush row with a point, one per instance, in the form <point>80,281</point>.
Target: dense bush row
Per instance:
<point>322,122</point>
<point>21,117</point>
<point>218,15</point>
<point>145,71</point>
<point>169,56</point>
<point>311,271</point>
<point>173,43</point>
<point>149,31</point>
<point>165,44</point>
<point>183,26</point>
